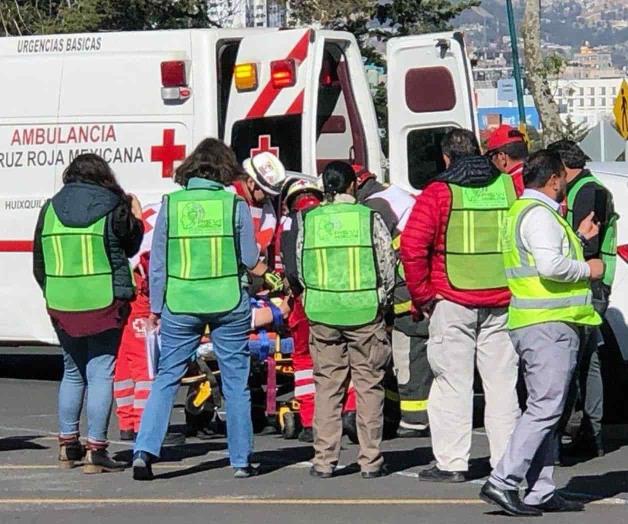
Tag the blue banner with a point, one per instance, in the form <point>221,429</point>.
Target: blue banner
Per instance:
<point>510,116</point>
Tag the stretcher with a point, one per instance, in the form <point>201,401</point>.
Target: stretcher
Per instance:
<point>271,382</point>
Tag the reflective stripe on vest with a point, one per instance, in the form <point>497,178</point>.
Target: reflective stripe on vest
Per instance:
<point>79,276</point>
<point>338,265</point>
<point>536,299</point>
<point>473,249</point>
<point>202,264</point>
<point>608,244</point>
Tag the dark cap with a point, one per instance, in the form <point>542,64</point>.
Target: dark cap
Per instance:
<point>570,153</point>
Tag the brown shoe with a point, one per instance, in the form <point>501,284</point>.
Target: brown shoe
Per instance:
<point>71,452</point>
<point>99,461</point>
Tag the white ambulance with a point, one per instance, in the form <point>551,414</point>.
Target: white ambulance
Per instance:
<point>144,100</point>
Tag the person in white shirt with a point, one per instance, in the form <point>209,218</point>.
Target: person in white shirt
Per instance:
<point>551,302</point>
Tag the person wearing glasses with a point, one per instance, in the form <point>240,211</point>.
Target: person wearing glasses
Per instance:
<point>507,149</point>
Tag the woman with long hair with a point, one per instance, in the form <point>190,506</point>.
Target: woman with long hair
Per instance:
<point>84,236</point>
<point>203,243</point>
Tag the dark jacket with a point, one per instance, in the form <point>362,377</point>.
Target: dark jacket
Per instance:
<point>583,204</point>
<point>82,204</point>
<point>423,239</point>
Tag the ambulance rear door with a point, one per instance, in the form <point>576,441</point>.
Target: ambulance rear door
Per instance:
<point>430,91</point>
<point>271,95</point>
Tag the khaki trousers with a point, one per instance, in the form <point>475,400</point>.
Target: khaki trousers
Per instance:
<point>460,338</point>
<point>340,355</point>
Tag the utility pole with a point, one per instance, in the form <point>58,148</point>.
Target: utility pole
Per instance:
<point>516,67</point>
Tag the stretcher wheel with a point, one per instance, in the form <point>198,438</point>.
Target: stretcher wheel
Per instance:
<point>291,425</point>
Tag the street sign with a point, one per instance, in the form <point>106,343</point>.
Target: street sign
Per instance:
<point>620,110</point>
<point>603,143</point>
<point>507,90</point>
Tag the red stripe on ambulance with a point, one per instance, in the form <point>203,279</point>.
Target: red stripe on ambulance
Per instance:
<point>297,106</point>
<point>269,93</point>
<point>16,246</point>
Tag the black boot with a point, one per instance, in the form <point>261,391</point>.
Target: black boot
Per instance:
<point>142,469</point>
<point>306,435</point>
<point>70,452</point>
<point>99,461</point>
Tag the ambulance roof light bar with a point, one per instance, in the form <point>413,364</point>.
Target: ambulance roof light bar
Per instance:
<point>283,73</point>
<point>174,81</point>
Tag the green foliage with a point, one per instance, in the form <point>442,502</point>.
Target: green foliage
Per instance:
<point>574,131</point>
<point>28,17</point>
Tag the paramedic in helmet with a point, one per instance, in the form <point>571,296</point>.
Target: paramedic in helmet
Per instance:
<point>409,336</point>
<point>196,279</point>
<point>83,239</point>
<point>263,178</point>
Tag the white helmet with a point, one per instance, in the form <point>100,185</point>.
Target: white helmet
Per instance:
<point>302,185</point>
<point>267,171</point>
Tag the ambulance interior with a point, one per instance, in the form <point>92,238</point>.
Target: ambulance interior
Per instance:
<point>339,128</point>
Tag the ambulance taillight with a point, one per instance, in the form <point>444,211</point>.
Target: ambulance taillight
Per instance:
<point>245,77</point>
<point>174,81</point>
<point>283,73</point>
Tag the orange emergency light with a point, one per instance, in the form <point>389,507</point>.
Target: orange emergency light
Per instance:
<point>245,76</point>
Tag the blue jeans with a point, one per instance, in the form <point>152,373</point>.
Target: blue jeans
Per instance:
<point>88,361</point>
<point>180,338</point>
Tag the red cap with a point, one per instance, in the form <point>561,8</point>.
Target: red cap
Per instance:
<point>503,135</point>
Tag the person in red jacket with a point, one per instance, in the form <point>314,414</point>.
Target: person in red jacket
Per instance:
<point>507,149</point>
<point>451,252</point>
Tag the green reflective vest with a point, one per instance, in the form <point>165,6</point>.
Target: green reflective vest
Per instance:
<point>536,299</point>
<point>203,274</point>
<point>608,242</point>
<point>78,271</point>
<point>473,249</point>
<point>338,267</point>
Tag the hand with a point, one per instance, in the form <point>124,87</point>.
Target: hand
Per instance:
<point>597,268</point>
<point>284,307</point>
<point>136,207</point>
<point>153,322</point>
<point>589,227</point>
<point>273,281</point>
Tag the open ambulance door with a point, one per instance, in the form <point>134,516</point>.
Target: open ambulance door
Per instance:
<point>270,99</point>
<point>302,95</point>
<point>430,91</point>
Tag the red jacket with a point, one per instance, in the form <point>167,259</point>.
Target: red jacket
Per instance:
<point>423,244</point>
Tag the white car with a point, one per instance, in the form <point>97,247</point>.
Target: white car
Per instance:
<point>614,175</point>
<point>614,355</point>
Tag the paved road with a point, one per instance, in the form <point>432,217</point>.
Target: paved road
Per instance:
<point>195,483</point>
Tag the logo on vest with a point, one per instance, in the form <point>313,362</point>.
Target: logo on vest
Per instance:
<point>197,218</point>
<point>489,197</point>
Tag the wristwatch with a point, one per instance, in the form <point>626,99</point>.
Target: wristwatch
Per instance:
<point>582,239</point>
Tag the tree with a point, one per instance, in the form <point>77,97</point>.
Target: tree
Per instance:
<point>537,73</point>
<point>31,17</point>
<point>574,131</point>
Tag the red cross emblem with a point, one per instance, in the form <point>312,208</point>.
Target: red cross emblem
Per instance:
<point>145,216</point>
<point>263,145</point>
<point>139,327</point>
<point>168,153</point>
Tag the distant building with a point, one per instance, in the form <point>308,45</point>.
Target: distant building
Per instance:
<point>587,100</point>
<point>248,13</point>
